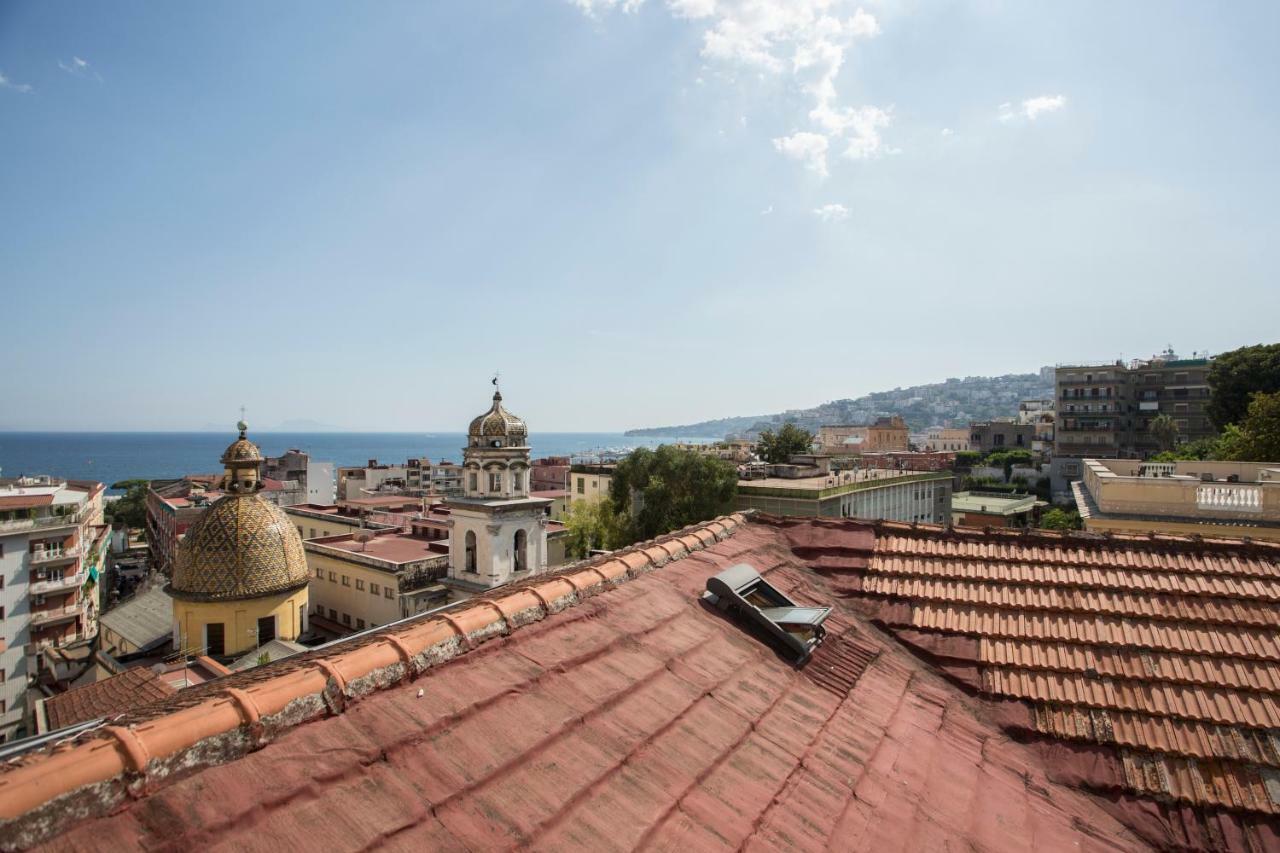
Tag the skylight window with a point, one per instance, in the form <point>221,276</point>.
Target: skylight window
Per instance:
<point>743,593</point>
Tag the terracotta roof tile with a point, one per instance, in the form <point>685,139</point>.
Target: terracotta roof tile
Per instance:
<point>605,707</point>
<point>113,695</point>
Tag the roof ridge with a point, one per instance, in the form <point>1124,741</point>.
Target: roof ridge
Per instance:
<point>242,712</point>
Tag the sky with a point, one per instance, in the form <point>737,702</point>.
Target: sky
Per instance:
<point>639,213</point>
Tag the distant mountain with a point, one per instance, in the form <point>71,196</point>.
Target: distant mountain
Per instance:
<point>956,402</point>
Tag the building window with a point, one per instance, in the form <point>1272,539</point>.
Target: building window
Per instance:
<point>521,545</point>
<point>495,481</point>
<point>266,630</point>
<point>470,562</point>
<point>214,642</point>
<point>346,581</point>
<point>359,584</point>
<point>346,618</point>
<point>515,481</point>
<point>313,533</point>
<point>472,483</point>
<point>359,624</point>
<point>386,592</point>
<point>373,588</point>
<point>333,577</point>
<point>320,573</point>
<point>320,610</point>
<point>582,485</point>
<point>299,531</point>
<point>333,614</point>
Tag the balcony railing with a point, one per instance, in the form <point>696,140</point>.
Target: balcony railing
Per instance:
<point>57,614</point>
<point>1230,498</point>
<point>71,519</point>
<point>48,555</point>
<point>44,585</point>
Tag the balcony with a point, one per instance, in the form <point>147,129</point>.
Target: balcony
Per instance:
<point>53,615</point>
<point>51,555</point>
<point>1230,497</point>
<point>40,522</point>
<point>66,582</point>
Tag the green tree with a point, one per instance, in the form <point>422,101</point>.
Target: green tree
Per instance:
<point>782,445</point>
<point>131,507</point>
<point>1204,448</point>
<point>1006,459</point>
<point>1057,518</point>
<point>1257,437</point>
<point>1236,375</point>
<point>967,458</point>
<point>592,524</point>
<point>1165,431</point>
<point>658,491</point>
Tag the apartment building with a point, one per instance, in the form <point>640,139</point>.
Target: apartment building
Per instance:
<point>305,480</point>
<point>940,439</point>
<point>1233,499</point>
<point>882,436</point>
<point>1106,410</point>
<point>52,542</point>
<point>590,481</point>
<point>549,474</point>
<point>987,436</point>
<point>1041,415</point>
<point>866,493</point>
<point>370,578</point>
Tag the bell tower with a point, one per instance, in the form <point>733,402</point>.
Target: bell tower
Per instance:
<point>498,532</point>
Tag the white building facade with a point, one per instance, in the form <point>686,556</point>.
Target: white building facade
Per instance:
<point>498,533</point>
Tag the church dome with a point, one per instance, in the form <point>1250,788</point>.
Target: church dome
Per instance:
<point>241,547</point>
<point>499,423</point>
<point>242,449</point>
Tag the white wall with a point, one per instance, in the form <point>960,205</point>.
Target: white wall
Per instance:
<point>321,488</point>
<point>14,563</point>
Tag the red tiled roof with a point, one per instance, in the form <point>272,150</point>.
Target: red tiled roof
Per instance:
<point>1156,658</point>
<point>114,695</point>
<point>25,501</point>
<point>604,707</point>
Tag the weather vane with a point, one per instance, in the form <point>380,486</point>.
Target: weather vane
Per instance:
<point>496,374</point>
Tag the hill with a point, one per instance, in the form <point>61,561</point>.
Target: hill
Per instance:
<point>956,402</point>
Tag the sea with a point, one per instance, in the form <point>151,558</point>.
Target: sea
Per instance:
<point>110,457</point>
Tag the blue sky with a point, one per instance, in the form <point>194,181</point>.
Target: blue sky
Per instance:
<point>640,213</point>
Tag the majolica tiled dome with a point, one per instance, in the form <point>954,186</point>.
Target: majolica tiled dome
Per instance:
<point>499,423</point>
<point>242,449</point>
<point>242,547</point>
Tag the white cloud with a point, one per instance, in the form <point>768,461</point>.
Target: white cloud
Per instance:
<point>6,83</point>
<point>78,67</point>
<point>768,210</point>
<point>808,148</point>
<point>1033,107</point>
<point>692,8</point>
<point>804,41</point>
<point>593,8</point>
<point>946,131</point>
<point>831,212</point>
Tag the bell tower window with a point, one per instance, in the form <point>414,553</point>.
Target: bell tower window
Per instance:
<point>495,482</point>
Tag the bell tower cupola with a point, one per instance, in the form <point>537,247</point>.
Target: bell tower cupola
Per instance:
<point>498,530</point>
